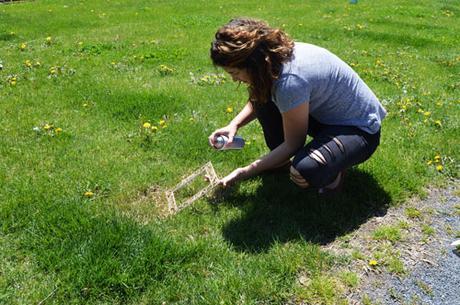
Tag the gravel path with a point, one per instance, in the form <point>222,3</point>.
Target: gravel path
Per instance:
<point>431,265</point>
<point>432,284</point>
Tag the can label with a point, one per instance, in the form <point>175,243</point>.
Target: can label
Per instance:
<point>222,143</point>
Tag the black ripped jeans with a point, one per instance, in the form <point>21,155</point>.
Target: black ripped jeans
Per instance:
<point>332,149</point>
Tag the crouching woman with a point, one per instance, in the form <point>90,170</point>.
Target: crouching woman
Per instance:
<point>297,89</point>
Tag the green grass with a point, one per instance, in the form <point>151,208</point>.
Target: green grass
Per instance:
<point>100,78</point>
<point>428,230</point>
<point>387,232</point>
<point>413,213</point>
<point>350,279</point>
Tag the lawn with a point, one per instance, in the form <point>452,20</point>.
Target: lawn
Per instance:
<point>81,173</point>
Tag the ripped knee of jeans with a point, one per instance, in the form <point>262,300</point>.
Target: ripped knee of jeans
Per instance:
<point>297,178</point>
<point>339,144</point>
<point>318,156</point>
<point>311,171</point>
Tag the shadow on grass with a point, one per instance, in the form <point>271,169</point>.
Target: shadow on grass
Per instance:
<point>130,105</point>
<point>279,211</point>
<point>397,39</point>
<point>417,26</point>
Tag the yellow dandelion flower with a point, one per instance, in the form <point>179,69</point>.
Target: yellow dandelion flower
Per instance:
<point>448,13</point>
<point>28,63</point>
<point>439,168</point>
<point>429,162</point>
<point>165,69</point>
<point>85,105</point>
<point>438,123</point>
<point>427,113</point>
<point>229,109</point>
<point>37,64</point>
<point>12,80</point>
<point>248,142</point>
<point>88,194</point>
<point>49,40</point>
<point>420,111</point>
<point>58,130</point>
<point>162,122</point>
<point>154,128</point>
<point>373,263</point>
<point>147,125</point>
<point>47,126</point>
<point>22,46</point>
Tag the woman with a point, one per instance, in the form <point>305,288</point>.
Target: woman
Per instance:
<point>297,89</point>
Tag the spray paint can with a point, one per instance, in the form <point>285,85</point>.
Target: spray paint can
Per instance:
<point>221,143</point>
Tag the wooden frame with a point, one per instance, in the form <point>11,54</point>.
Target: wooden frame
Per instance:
<point>211,176</point>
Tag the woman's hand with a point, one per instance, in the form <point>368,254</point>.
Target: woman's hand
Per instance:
<point>236,175</point>
<point>229,131</point>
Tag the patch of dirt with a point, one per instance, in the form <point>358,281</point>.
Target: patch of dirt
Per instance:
<point>155,202</point>
<point>149,204</point>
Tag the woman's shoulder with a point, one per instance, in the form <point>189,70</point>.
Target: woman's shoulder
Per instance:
<point>304,49</point>
<point>309,60</point>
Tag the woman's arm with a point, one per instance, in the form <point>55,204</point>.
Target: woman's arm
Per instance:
<point>295,124</point>
<point>246,115</point>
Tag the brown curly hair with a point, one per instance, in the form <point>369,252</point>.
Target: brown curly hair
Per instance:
<point>253,45</point>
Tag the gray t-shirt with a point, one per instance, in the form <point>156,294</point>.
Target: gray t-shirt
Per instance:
<point>334,91</point>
